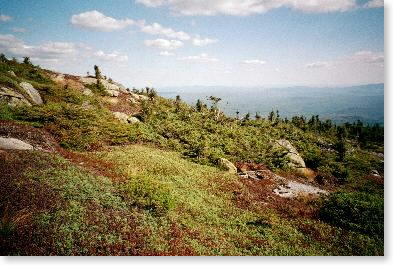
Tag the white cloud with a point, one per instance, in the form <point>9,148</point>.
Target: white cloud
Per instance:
<point>317,65</point>
<point>5,18</point>
<point>18,30</point>
<point>51,50</point>
<point>254,62</point>
<point>166,53</point>
<point>54,51</point>
<point>248,7</point>
<point>197,41</point>
<point>164,44</point>
<point>114,56</point>
<point>368,57</point>
<point>374,4</point>
<point>157,29</point>
<point>358,58</point>
<point>98,21</point>
<point>151,3</point>
<point>202,58</point>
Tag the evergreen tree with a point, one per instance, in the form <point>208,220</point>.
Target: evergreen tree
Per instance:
<point>152,94</point>
<point>215,108</point>
<point>97,72</point>
<point>178,103</point>
<point>199,105</point>
<point>26,60</point>
<point>247,117</point>
<point>340,146</point>
<point>3,59</point>
<point>272,116</point>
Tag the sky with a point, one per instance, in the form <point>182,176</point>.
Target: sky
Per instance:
<point>167,43</point>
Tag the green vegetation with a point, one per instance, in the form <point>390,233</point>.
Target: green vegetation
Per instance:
<point>357,211</point>
<point>154,188</point>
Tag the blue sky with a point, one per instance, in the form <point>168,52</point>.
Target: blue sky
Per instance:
<point>202,42</point>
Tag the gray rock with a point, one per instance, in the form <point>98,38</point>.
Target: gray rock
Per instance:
<point>32,92</point>
<point>375,173</point>
<point>87,92</point>
<point>112,93</point>
<point>13,98</point>
<point>111,88</point>
<point>293,189</point>
<point>133,120</point>
<point>14,144</point>
<point>121,116</point>
<point>296,161</point>
<point>227,165</point>
<point>138,97</point>
<point>124,118</point>
<point>58,78</point>
<point>11,73</point>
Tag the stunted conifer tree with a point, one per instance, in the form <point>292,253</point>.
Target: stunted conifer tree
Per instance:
<point>97,72</point>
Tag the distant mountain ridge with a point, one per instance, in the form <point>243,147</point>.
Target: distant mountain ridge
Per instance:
<point>340,104</point>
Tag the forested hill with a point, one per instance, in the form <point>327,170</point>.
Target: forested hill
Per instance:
<point>90,167</point>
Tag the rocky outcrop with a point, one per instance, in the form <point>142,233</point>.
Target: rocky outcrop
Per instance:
<point>32,92</point>
<point>13,135</point>
<point>295,160</point>
<point>13,98</point>
<point>124,118</point>
<point>227,165</point>
<point>281,186</point>
<point>138,97</point>
<point>14,144</point>
<point>111,88</point>
<point>294,189</point>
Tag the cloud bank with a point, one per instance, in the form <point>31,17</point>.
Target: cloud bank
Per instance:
<point>248,7</point>
<point>54,51</point>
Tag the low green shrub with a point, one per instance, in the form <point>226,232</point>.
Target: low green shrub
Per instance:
<point>146,192</point>
<point>77,127</point>
<point>6,112</point>
<point>358,211</point>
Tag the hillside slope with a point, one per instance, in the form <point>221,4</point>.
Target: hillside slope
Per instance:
<point>89,167</point>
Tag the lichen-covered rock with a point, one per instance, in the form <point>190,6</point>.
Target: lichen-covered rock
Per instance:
<point>138,97</point>
<point>227,165</point>
<point>87,92</point>
<point>296,161</point>
<point>13,98</point>
<point>121,116</point>
<point>133,120</point>
<point>111,88</point>
<point>294,189</point>
<point>11,73</point>
<point>124,118</point>
<point>14,144</point>
<point>32,92</point>
<point>112,93</point>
